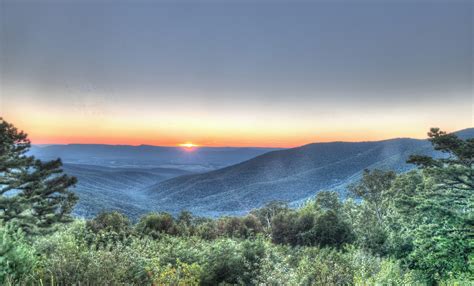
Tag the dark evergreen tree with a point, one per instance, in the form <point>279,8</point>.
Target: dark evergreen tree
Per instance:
<point>33,194</point>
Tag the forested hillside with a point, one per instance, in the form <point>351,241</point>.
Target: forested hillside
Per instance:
<point>115,177</point>
<point>102,188</point>
<point>291,175</point>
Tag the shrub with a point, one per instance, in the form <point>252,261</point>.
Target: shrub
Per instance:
<point>283,228</point>
<point>180,274</point>
<point>239,227</point>
<point>67,259</point>
<point>110,221</point>
<point>330,230</point>
<point>231,261</point>
<point>324,267</point>
<point>252,226</point>
<point>17,256</point>
<point>156,224</point>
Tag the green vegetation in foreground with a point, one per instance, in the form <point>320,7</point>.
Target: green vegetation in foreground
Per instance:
<point>395,229</point>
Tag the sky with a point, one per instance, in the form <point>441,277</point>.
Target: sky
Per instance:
<point>235,73</point>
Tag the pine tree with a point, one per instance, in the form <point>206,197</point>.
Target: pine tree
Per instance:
<point>34,195</point>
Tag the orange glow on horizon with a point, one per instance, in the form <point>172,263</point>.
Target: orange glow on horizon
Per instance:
<point>40,132</point>
<point>207,141</point>
<point>56,126</point>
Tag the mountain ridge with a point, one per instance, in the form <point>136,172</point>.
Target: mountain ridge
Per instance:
<point>291,174</point>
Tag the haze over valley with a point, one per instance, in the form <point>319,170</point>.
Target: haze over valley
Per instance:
<point>216,181</point>
<point>115,177</point>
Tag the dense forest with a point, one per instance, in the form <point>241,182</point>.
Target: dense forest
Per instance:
<point>413,228</point>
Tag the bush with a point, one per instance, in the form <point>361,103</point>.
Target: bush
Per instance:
<point>232,262</point>
<point>108,229</point>
<point>311,228</point>
<point>179,274</point>
<point>207,230</point>
<point>156,224</point>
<point>17,256</point>
<point>324,267</point>
<point>68,259</point>
<point>330,230</point>
<point>283,228</point>
<point>110,221</point>
<point>245,227</point>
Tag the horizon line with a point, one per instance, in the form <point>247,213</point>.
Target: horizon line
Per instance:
<point>236,146</point>
<point>224,146</point>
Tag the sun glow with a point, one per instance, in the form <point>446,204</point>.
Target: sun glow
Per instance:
<point>188,145</point>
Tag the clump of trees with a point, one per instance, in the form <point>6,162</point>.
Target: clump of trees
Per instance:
<point>391,229</point>
<point>319,223</point>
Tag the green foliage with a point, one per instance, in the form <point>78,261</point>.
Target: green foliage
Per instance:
<point>434,208</point>
<point>330,230</point>
<point>438,231</point>
<point>284,228</point>
<point>108,229</point>
<point>385,272</point>
<point>319,223</point>
<point>156,224</point>
<point>266,213</point>
<point>182,274</point>
<point>373,189</point>
<point>239,227</point>
<point>186,223</point>
<point>326,201</point>
<point>68,259</point>
<point>17,256</point>
<point>207,229</point>
<point>224,263</point>
<point>369,218</point>
<point>33,194</point>
<point>324,267</point>
<point>112,221</point>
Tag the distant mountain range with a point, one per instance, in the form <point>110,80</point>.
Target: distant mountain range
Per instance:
<point>290,175</point>
<point>216,181</point>
<point>199,160</point>
<point>112,177</point>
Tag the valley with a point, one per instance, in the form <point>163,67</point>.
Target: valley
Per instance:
<point>221,181</point>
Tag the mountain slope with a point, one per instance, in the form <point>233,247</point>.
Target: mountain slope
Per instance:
<point>103,188</point>
<point>111,177</point>
<point>290,175</point>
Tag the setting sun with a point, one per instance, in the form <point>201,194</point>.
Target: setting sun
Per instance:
<point>188,145</point>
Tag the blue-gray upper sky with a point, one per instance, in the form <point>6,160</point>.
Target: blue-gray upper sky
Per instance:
<point>316,66</point>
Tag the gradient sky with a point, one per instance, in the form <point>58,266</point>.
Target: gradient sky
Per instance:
<point>235,73</point>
